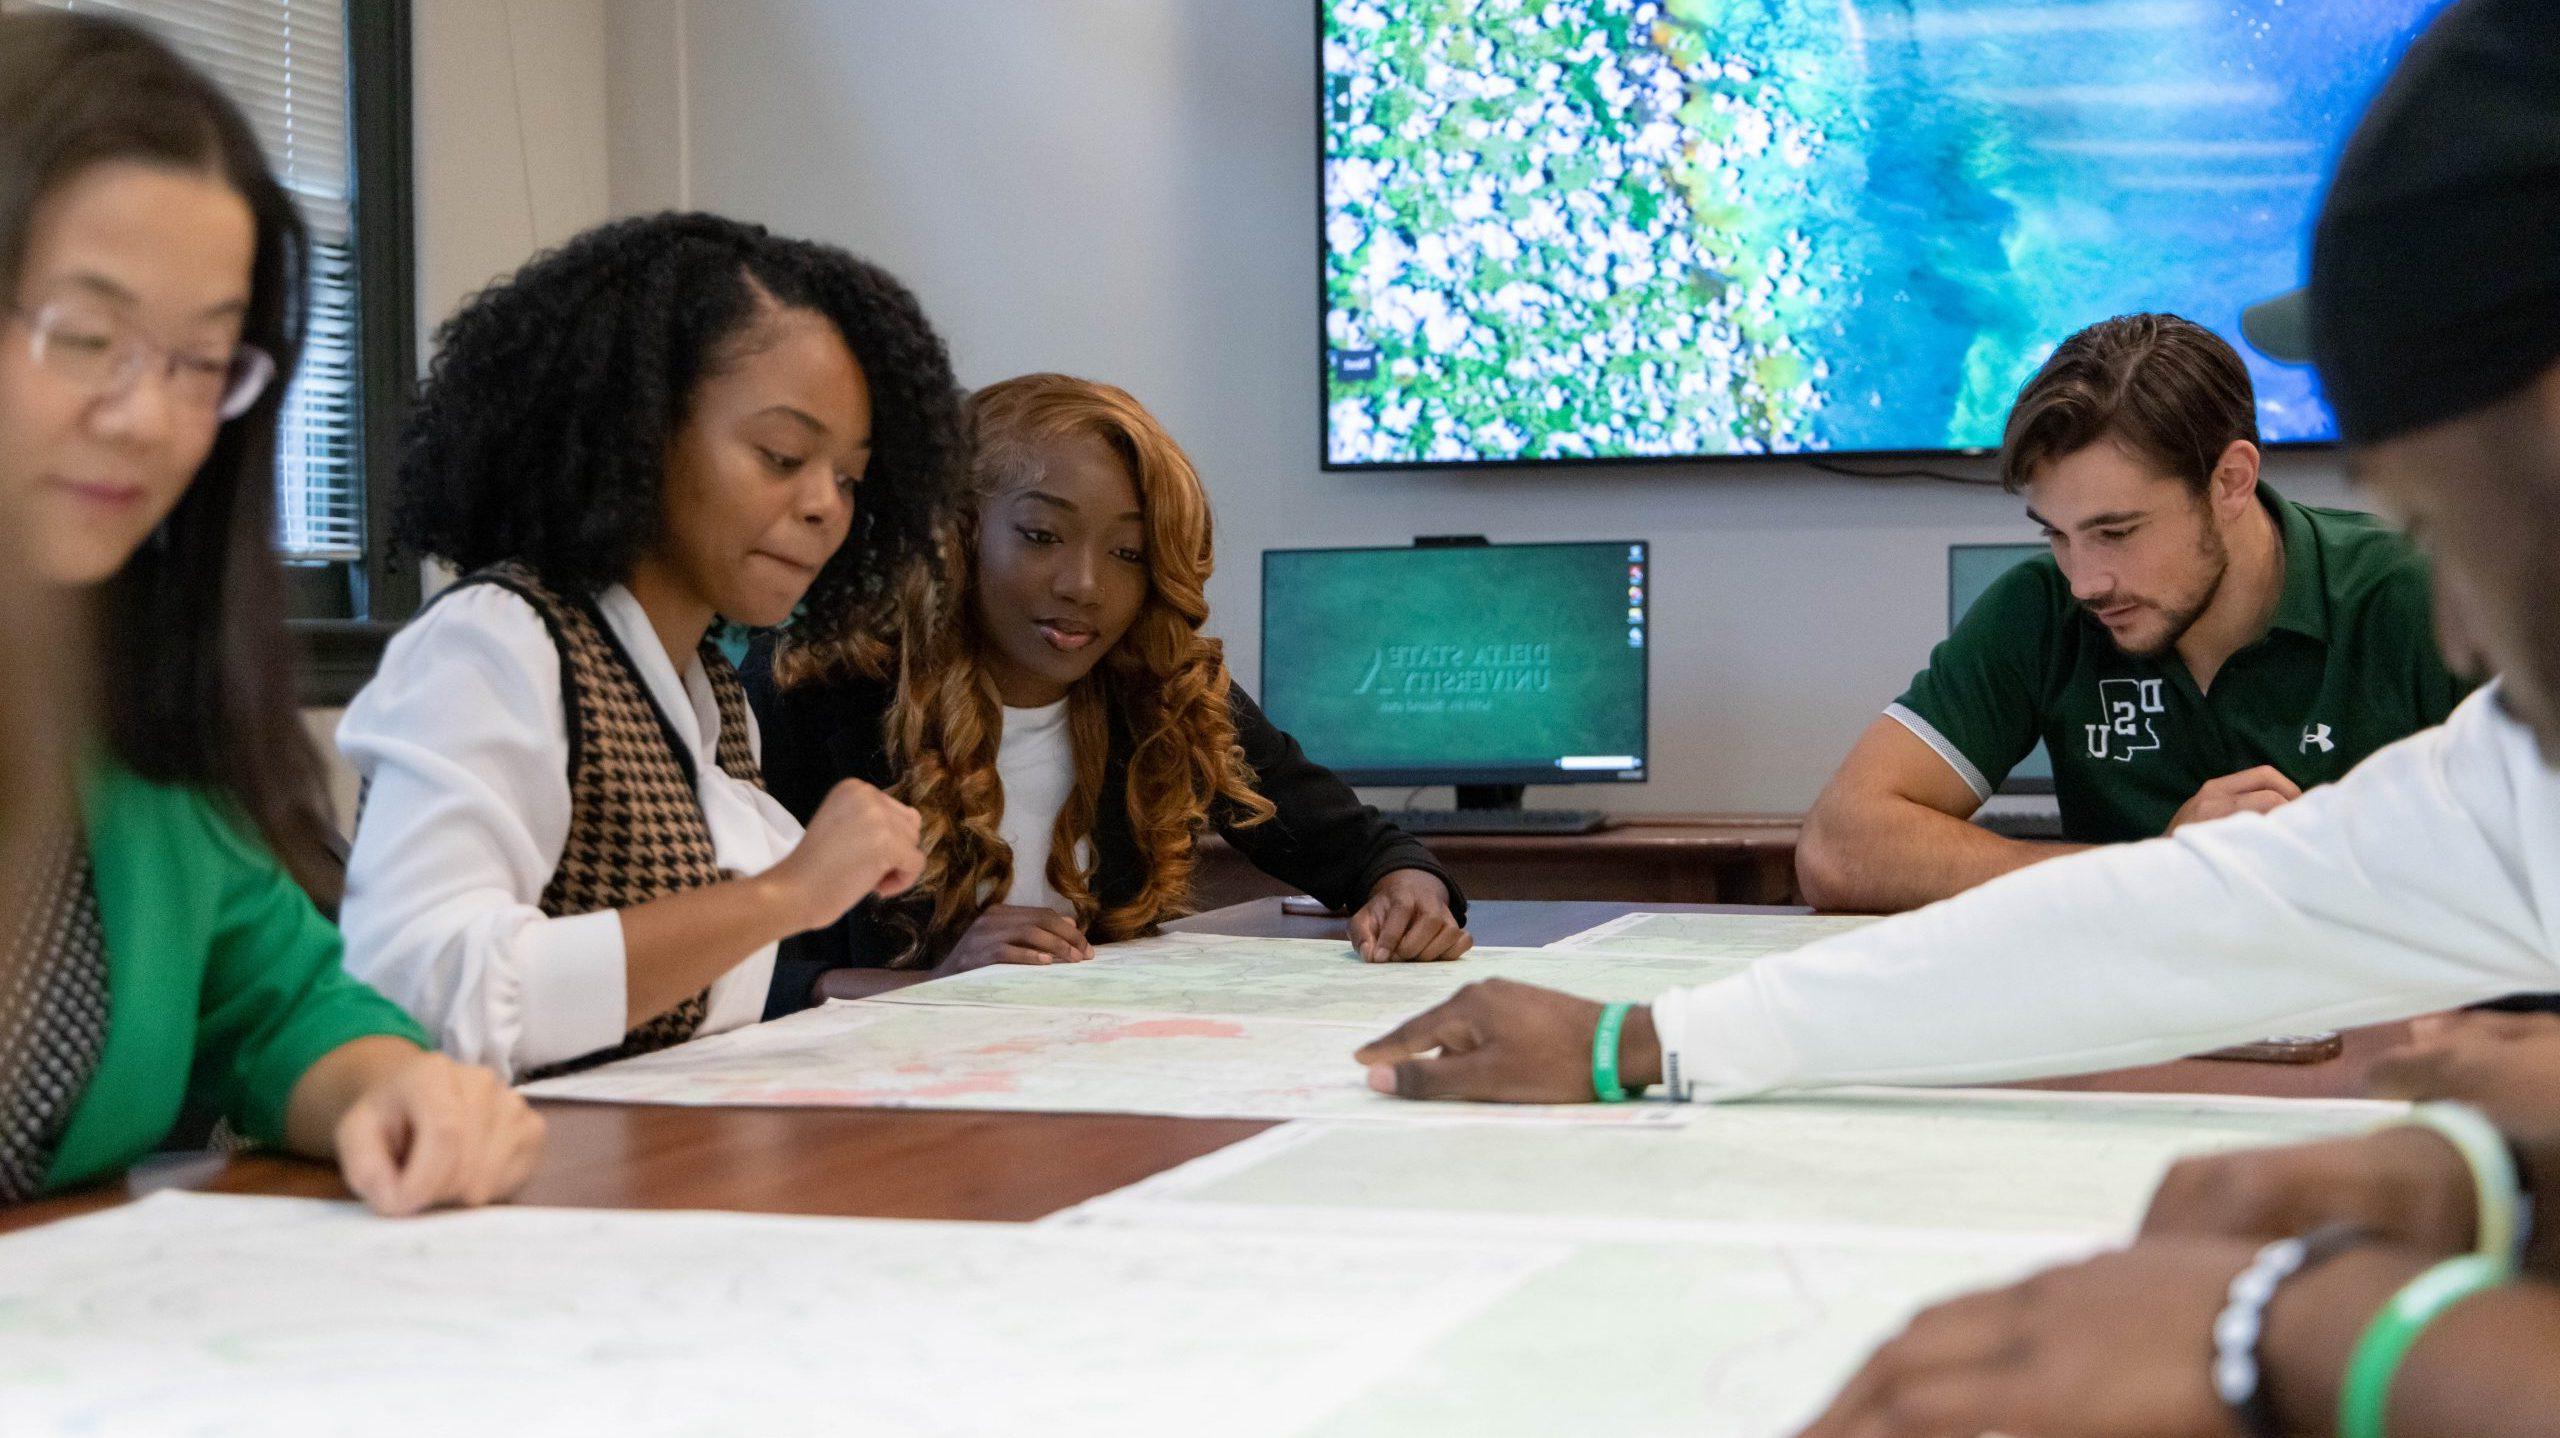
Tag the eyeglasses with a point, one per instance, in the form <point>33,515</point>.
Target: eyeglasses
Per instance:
<point>107,354</point>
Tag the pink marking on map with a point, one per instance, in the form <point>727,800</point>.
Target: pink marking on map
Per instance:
<point>800,1097</point>
<point>1008,1048</point>
<point>1171,1029</point>
<point>968,1087</point>
<point>964,1087</point>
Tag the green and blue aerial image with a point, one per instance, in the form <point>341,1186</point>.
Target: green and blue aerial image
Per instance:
<point>1606,229</point>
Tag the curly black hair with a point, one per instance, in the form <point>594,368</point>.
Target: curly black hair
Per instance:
<point>542,431</point>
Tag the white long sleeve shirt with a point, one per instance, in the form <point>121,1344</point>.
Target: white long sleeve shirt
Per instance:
<point>2429,877</point>
<point>462,740</point>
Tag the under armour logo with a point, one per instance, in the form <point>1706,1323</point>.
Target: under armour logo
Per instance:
<point>2317,736</point>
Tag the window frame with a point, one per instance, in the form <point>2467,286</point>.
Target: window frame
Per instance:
<point>347,612</point>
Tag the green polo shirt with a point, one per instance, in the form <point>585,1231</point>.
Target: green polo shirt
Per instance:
<point>2347,665</point>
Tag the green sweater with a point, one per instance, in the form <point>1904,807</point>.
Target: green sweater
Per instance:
<point>223,981</point>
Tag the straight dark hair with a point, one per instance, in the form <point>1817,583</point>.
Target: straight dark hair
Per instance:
<point>2166,388</point>
<point>194,666</point>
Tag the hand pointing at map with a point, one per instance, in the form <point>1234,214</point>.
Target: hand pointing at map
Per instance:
<point>1501,1041</point>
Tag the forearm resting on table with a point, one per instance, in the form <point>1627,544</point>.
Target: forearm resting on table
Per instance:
<point>1882,854</point>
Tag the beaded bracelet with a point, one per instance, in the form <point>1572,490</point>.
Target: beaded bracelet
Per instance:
<point>2238,1371</point>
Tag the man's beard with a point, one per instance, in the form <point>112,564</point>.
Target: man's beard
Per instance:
<point>2183,618</point>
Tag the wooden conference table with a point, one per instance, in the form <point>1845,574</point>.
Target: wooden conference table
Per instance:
<point>1650,861</point>
<point>908,1163</point>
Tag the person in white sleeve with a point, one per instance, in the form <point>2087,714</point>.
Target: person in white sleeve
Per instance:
<point>2427,878</point>
<point>565,852</point>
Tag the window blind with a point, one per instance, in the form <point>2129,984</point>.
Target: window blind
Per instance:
<point>285,63</point>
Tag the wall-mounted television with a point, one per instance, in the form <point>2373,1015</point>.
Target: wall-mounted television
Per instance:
<point>1572,230</point>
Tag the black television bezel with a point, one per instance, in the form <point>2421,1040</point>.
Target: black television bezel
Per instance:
<point>1454,774</point>
<point>1327,464</point>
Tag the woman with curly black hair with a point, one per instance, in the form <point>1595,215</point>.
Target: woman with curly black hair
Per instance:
<point>566,853</point>
<point>1051,709</point>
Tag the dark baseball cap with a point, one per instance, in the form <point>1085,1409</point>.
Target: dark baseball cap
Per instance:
<point>2435,268</point>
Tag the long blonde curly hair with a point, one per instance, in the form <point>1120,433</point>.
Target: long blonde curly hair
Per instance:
<point>1166,683</point>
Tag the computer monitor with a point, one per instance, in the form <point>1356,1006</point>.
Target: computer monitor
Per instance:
<point>1482,665</point>
<point>1970,570</point>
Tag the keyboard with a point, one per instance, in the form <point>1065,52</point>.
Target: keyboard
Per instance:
<point>2021,816</point>
<point>1498,821</point>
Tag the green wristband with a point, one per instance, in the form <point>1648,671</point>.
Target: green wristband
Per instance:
<point>2365,1402</point>
<point>1604,1054</point>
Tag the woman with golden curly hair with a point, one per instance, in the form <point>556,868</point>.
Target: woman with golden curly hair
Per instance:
<point>1052,711</point>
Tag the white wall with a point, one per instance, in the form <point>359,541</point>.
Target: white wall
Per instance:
<point>509,116</point>
<point>1127,189</point>
<point>509,146</point>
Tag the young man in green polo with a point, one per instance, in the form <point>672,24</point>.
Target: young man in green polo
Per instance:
<point>2197,645</point>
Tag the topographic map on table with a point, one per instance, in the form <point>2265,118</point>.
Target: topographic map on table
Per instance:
<point>233,1317</point>
<point>1901,1164</point>
<point>1202,1025</point>
<point>217,1315</point>
<point>876,1055</point>
<point>1294,978</point>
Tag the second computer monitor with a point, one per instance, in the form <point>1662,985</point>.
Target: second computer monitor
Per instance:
<point>1970,570</point>
<point>1482,664</point>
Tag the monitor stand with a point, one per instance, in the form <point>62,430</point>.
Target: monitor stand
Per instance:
<point>1491,796</point>
<point>1496,809</point>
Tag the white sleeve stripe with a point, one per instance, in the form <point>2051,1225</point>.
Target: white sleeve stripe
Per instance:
<point>1928,734</point>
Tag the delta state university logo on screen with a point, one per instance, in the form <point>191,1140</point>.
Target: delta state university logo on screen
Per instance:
<point>1422,669</point>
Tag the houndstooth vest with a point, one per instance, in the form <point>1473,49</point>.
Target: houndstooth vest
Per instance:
<point>636,830</point>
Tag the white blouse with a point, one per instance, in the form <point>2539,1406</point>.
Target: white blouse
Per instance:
<point>462,741</point>
<point>1036,765</point>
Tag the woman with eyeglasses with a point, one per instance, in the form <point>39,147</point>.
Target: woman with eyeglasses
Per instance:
<point>171,958</point>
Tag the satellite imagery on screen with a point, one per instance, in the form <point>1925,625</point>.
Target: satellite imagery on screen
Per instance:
<point>1608,229</point>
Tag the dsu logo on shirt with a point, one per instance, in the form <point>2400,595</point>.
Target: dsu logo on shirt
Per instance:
<point>2128,705</point>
